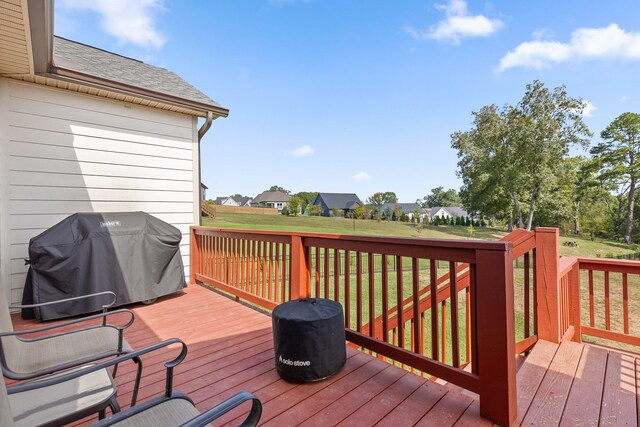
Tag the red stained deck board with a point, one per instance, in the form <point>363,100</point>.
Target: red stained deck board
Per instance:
<point>471,417</point>
<point>548,404</point>
<point>347,403</point>
<point>309,400</point>
<point>413,408</point>
<point>531,374</point>
<point>619,398</point>
<point>376,409</point>
<point>586,389</point>
<point>447,411</point>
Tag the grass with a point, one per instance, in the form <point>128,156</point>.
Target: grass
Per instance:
<point>585,247</point>
<point>599,248</point>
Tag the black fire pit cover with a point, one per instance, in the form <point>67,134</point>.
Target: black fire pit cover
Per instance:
<point>308,339</point>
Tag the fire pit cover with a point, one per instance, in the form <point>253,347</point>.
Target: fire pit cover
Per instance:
<point>133,254</point>
<point>309,340</point>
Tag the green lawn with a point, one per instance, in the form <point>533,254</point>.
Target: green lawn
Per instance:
<point>598,248</point>
<point>585,247</point>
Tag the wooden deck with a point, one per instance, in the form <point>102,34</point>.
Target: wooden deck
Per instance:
<point>231,349</point>
<point>578,385</point>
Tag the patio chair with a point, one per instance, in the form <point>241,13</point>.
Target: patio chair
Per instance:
<point>22,358</point>
<point>54,401</point>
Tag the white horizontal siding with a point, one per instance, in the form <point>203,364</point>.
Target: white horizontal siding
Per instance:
<point>65,152</point>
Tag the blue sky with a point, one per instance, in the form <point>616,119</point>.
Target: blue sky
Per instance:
<point>362,95</point>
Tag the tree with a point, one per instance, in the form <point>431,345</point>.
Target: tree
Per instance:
<point>618,158</point>
<point>306,198</point>
<point>515,154</point>
<point>379,199</point>
<point>294,205</point>
<point>278,188</point>
<point>238,195</point>
<point>314,210</point>
<point>441,197</point>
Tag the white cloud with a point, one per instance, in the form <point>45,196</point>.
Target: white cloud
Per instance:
<point>361,176</point>
<point>589,109</point>
<point>305,150</point>
<point>542,34</point>
<point>129,21</point>
<point>623,98</point>
<point>457,25</point>
<point>610,42</point>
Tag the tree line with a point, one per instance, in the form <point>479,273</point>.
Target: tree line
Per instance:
<point>515,163</point>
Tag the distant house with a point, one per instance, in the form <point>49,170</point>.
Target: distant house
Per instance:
<point>330,202</point>
<point>409,209</point>
<point>448,212</point>
<point>234,201</point>
<point>271,199</point>
<point>203,192</point>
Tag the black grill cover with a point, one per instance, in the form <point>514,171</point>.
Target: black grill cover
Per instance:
<point>133,254</point>
<point>309,339</point>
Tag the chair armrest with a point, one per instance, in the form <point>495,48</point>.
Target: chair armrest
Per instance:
<point>103,316</point>
<point>226,406</point>
<point>42,304</point>
<point>46,382</point>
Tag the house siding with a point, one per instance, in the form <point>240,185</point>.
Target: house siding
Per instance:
<point>62,153</point>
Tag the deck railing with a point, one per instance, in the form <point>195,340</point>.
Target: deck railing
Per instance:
<point>388,288</point>
<point>598,295</point>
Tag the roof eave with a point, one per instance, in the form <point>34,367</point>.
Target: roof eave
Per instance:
<point>79,78</point>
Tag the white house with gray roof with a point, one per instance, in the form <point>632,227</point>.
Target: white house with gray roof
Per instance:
<point>234,201</point>
<point>86,130</point>
<point>448,212</point>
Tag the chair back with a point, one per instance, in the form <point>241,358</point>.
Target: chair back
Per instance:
<point>8,345</point>
<point>6,417</point>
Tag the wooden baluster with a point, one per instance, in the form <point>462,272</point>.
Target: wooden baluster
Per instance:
<point>326,273</point>
<point>625,303</point>
<point>276,281</point>
<point>243,243</point>
<point>316,270</point>
<point>272,295</point>
<point>283,287</point>
<point>400,298</point>
<point>372,290</point>
<point>256,268</point>
<point>336,275</point>
<point>455,332</point>
<point>591,302</point>
<point>473,294</point>
<point>535,294</point>
<point>527,302</point>
<point>347,289</point>
<point>385,299</point>
<point>467,300</point>
<point>418,343</point>
<point>235,262</point>
<point>443,333</point>
<point>433,273</point>
<point>607,307</point>
<point>359,291</point>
